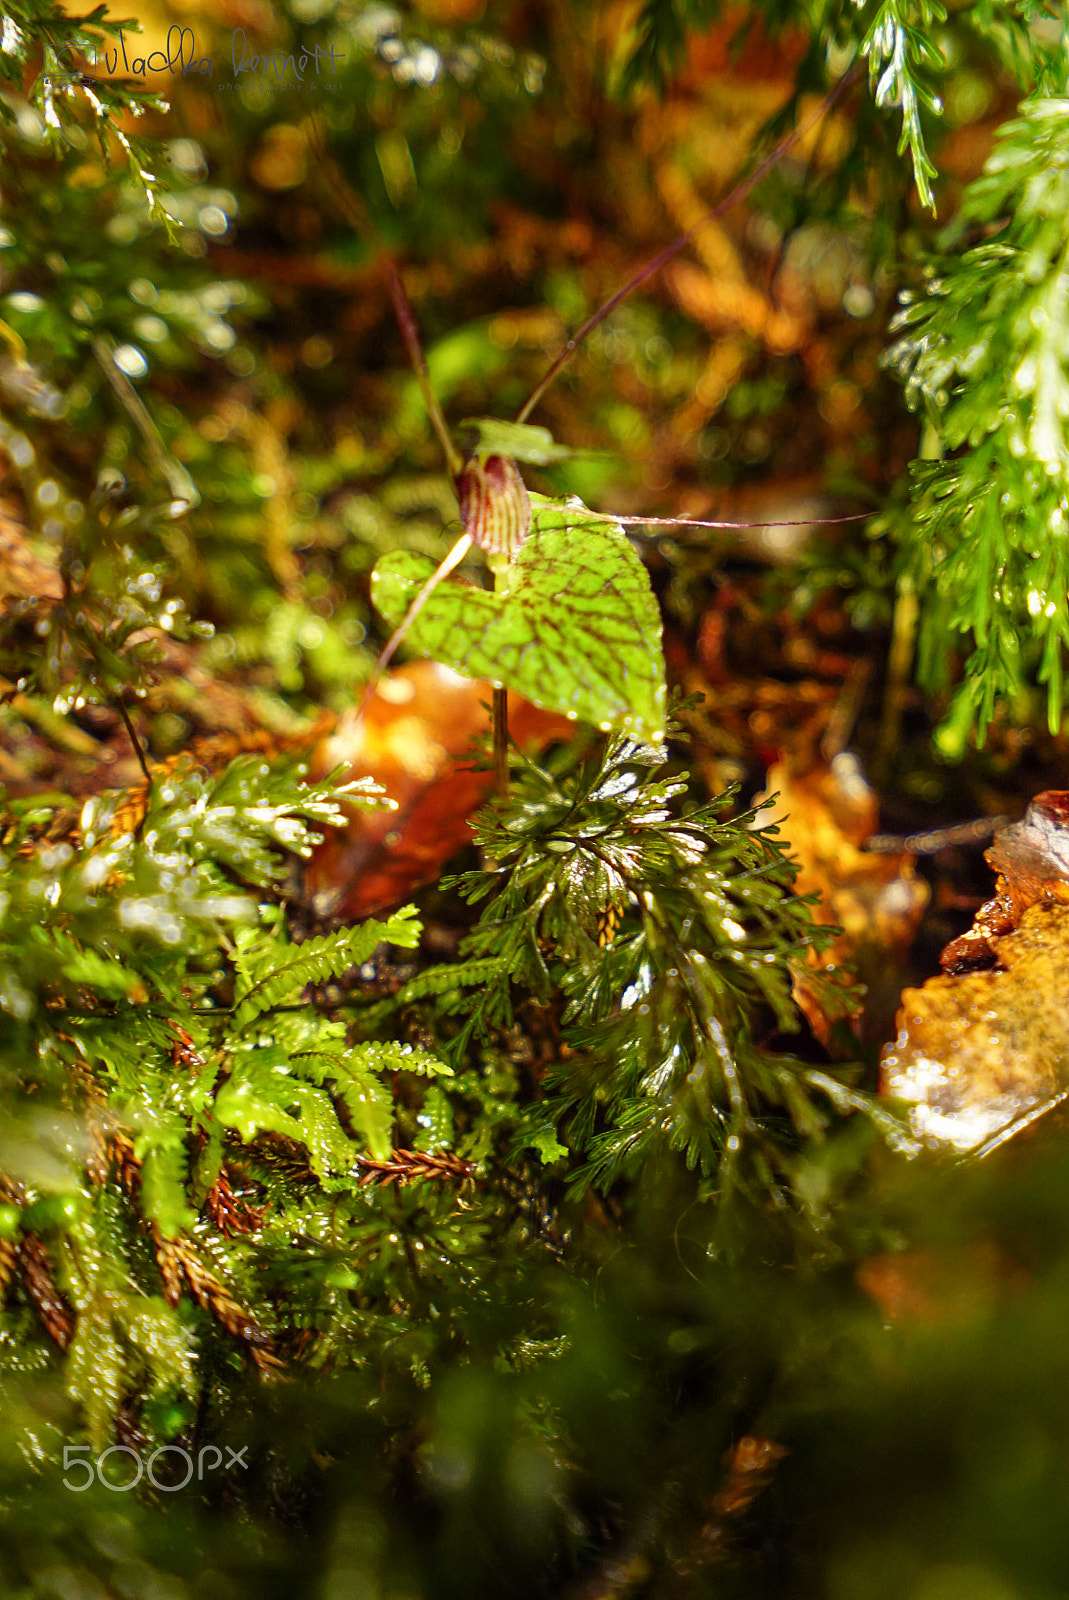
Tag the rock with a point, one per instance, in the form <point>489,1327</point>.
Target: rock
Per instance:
<point>983,1049</point>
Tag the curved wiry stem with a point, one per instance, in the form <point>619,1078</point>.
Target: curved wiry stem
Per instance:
<point>442,570</point>
<point>410,334</point>
<point>735,194</point>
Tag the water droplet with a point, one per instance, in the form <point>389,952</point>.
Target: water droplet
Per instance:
<point>129,359</point>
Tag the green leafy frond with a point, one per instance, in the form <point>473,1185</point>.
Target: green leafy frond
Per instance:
<point>443,980</point>
<point>164,1157</point>
<point>279,972</point>
<point>258,1098</point>
<point>667,932</point>
<point>983,354</point>
<point>190,1105</point>
<point>901,55</point>
<point>45,57</point>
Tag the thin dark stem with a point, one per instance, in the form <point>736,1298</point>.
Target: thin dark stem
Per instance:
<point>134,740</point>
<point>410,334</point>
<point>501,743</point>
<point>738,192</point>
<point>699,522</point>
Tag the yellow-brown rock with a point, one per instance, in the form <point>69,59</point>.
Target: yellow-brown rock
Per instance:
<point>977,1051</point>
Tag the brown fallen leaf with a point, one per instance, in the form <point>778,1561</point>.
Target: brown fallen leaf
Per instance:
<point>414,741</point>
<point>983,1049</point>
<point>827,813</point>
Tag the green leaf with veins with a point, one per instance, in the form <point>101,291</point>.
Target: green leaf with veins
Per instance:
<point>573,625</point>
<point>520,441</point>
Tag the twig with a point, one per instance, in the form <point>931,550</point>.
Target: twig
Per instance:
<point>933,840</point>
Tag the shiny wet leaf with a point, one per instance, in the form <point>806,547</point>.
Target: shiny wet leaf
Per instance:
<point>577,629</point>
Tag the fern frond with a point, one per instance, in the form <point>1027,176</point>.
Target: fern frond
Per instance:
<point>390,1055</point>
<point>984,353</point>
<point>901,56</point>
<point>442,980</point>
<point>281,971</point>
